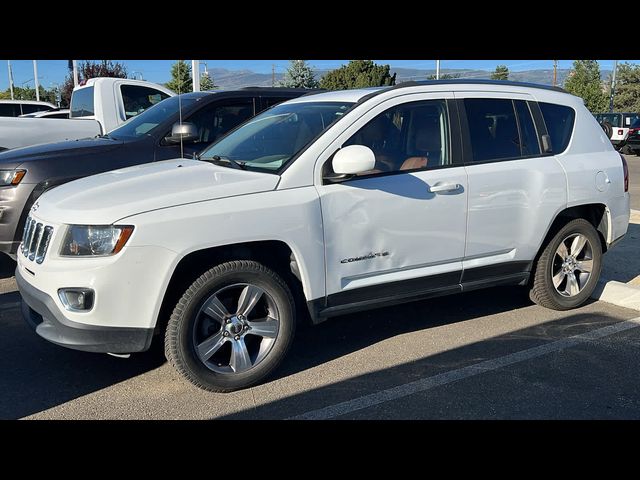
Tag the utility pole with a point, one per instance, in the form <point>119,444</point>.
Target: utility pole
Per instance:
<point>273,75</point>
<point>613,85</point>
<point>10,77</point>
<point>35,79</point>
<point>437,69</point>
<point>195,72</point>
<point>75,73</point>
<point>555,72</point>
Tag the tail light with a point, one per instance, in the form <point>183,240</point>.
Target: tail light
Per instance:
<point>620,131</point>
<point>625,170</point>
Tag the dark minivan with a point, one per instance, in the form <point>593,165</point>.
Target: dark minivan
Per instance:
<point>178,126</point>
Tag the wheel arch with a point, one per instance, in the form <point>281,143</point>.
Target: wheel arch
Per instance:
<point>274,254</point>
<point>595,213</point>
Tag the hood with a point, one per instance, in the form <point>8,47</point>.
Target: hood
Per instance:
<point>109,197</point>
<point>17,156</point>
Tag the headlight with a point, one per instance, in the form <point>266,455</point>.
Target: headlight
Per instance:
<point>11,177</point>
<point>94,240</point>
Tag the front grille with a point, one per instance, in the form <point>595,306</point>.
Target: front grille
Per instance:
<point>35,240</point>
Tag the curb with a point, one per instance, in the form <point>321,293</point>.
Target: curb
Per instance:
<point>617,293</point>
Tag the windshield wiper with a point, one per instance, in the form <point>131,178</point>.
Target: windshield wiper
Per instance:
<point>231,161</point>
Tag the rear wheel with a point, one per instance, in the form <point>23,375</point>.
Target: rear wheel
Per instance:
<point>232,327</point>
<point>627,150</point>
<point>569,267</point>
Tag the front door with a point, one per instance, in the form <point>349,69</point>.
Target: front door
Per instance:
<point>397,231</point>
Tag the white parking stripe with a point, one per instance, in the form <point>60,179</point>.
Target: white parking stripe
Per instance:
<point>428,383</point>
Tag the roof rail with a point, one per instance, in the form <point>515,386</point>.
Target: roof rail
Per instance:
<point>462,81</point>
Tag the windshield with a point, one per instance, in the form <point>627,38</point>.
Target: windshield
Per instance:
<point>147,121</point>
<point>270,140</point>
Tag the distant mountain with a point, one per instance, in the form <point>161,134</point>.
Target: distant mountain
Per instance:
<point>230,79</point>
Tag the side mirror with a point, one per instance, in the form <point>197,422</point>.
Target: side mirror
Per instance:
<point>187,132</point>
<point>353,159</point>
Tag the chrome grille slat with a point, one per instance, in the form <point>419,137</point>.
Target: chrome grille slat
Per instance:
<point>35,240</point>
<point>44,244</point>
<point>37,232</point>
<point>28,236</point>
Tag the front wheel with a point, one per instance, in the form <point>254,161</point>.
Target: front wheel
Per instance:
<point>569,267</point>
<point>232,327</point>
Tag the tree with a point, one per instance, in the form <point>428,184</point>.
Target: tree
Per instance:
<point>87,70</point>
<point>206,82</point>
<point>358,74</point>
<point>299,75</point>
<point>500,73</point>
<point>181,81</point>
<point>627,89</point>
<point>584,81</point>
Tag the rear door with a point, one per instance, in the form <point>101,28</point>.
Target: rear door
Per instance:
<point>514,189</point>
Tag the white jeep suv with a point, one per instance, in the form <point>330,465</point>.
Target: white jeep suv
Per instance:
<point>331,203</point>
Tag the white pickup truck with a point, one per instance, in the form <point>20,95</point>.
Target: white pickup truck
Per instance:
<point>97,107</point>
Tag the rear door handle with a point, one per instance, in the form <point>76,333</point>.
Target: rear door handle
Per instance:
<point>444,187</point>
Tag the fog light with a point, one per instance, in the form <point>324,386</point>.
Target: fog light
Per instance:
<point>76,299</point>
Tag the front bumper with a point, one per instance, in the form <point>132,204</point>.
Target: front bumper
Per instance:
<point>49,321</point>
<point>12,215</point>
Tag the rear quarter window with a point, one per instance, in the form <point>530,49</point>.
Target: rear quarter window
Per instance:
<point>559,120</point>
<point>82,103</point>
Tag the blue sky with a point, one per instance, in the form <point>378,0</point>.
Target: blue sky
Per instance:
<point>54,71</point>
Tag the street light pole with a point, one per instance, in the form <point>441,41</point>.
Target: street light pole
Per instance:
<point>195,72</point>
<point>75,73</point>
<point>35,79</point>
<point>10,77</point>
<point>613,85</point>
<point>437,69</point>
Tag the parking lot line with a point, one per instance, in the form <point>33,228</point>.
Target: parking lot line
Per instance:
<point>428,383</point>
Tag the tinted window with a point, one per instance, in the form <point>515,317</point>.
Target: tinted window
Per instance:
<point>493,129</point>
<point>615,119</point>
<point>629,120</point>
<point>30,108</point>
<point>269,102</point>
<point>559,121</point>
<point>273,138</point>
<point>407,137</point>
<point>636,124</point>
<point>82,103</point>
<point>137,99</point>
<point>9,109</point>
<point>57,115</point>
<point>528,137</point>
<point>148,121</point>
<point>215,120</point>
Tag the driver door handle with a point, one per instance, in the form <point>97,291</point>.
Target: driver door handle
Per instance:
<point>444,187</point>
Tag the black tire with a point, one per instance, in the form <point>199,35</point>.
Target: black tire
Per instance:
<point>627,150</point>
<point>608,129</point>
<point>543,291</point>
<point>180,344</point>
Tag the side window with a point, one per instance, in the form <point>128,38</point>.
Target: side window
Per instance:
<point>268,102</point>
<point>559,120</point>
<point>493,129</point>
<point>137,98</point>
<point>30,108</point>
<point>215,120</point>
<point>9,109</point>
<point>528,136</point>
<point>410,136</point>
<point>82,103</point>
